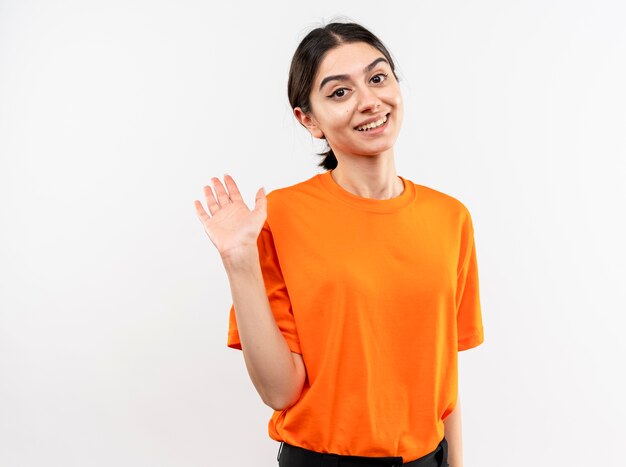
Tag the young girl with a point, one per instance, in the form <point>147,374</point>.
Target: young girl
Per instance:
<point>353,290</point>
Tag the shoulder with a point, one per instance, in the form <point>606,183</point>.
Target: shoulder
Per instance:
<point>293,196</point>
<point>442,200</point>
<point>288,204</point>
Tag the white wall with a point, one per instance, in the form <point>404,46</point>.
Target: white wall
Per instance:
<point>114,303</point>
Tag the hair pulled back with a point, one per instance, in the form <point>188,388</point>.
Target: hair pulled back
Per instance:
<point>308,57</point>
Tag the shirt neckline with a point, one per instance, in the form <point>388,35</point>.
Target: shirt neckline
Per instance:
<point>403,200</point>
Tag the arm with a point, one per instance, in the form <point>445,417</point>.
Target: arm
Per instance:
<point>277,373</point>
<point>452,429</point>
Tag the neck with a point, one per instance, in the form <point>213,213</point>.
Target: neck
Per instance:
<point>368,176</point>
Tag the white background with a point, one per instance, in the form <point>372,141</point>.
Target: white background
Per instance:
<point>114,303</point>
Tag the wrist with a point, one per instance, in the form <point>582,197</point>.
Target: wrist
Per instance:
<point>241,258</point>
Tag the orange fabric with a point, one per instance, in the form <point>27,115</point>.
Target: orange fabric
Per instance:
<point>378,296</point>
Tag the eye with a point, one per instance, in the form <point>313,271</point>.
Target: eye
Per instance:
<point>380,74</point>
<point>343,89</point>
<point>336,91</point>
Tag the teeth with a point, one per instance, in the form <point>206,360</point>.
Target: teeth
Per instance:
<point>373,124</point>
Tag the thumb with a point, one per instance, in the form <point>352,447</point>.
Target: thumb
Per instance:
<point>260,201</point>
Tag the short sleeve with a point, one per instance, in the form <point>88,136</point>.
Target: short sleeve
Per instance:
<point>276,292</point>
<point>469,316</point>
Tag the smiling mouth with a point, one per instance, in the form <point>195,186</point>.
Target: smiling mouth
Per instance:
<point>374,125</point>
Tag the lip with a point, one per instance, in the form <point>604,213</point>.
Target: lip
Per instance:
<point>378,130</point>
<point>371,120</point>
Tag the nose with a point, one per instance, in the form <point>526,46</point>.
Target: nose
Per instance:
<point>368,101</point>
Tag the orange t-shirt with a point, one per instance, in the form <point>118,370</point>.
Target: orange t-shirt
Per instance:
<point>378,296</point>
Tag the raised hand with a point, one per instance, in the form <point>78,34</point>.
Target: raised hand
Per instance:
<point>231,226</point>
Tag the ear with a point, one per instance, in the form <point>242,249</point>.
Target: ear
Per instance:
<point>308,122</point>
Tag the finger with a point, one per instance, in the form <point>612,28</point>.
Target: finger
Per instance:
<point>222,196</point>
<point>260,200</point>
<point>200,211</point>
<point>233,191</point>
<point>212,204</point>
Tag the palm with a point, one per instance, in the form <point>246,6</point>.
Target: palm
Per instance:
<point>232,226</point>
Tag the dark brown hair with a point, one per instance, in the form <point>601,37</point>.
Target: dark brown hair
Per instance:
<point>308,57</point>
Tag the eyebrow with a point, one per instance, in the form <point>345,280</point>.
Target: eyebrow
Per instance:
<point>345,77</point>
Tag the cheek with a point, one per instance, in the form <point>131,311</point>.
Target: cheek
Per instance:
<point>394,95</point>
<point>396,98</point>
<point>399,106</point>
<point>340,118</point>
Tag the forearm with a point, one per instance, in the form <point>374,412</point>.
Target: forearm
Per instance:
<point>266,353</point>
<point>452,428</point>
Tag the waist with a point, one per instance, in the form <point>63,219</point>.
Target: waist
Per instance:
<point>296,456</point>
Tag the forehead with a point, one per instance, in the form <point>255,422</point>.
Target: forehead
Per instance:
<point>347,59</point>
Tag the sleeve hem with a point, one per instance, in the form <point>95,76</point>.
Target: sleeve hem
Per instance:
<point>234,343</point>
<point>293,346</point>
<point>471,341</point>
